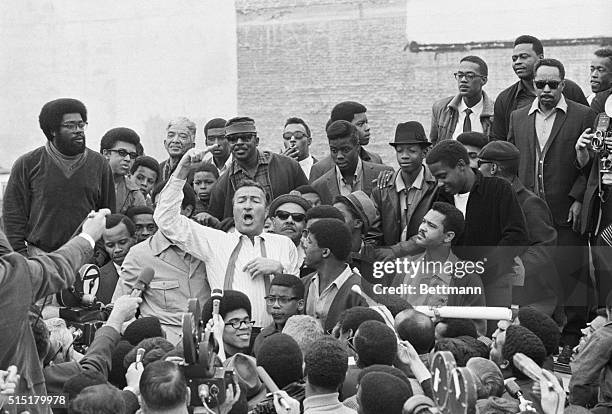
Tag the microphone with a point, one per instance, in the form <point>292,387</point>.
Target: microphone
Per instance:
<point>515,392</point>
<point>381,309</point>
<point>216,295</point>
<point>143,282</point>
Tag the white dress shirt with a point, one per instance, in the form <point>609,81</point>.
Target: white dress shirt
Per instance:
<point>306,165</point>
<point>214,248</point>
<point>474,117</point>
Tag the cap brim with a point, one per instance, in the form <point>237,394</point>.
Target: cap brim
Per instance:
<point>424,143</point>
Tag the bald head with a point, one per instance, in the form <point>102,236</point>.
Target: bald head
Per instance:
<point>416,328</point>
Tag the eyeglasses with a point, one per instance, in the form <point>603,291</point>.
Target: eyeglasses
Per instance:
<point>351,344</point>
<point>244,137</point>
<point>541,84</point>
<point>73,126</point>
<point>468,76</point>
<point>238,324</point>
<point>123,153</point>
<point>283,215</point>
<point>297,134</point>
<point>482,162</point>
<point>282,300</point>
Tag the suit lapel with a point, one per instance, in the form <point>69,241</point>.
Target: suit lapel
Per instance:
<point>368,172</point>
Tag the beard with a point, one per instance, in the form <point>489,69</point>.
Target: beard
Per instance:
<point>69,147</point>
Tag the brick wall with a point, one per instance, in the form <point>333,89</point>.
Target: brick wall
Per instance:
<point>301,57</point>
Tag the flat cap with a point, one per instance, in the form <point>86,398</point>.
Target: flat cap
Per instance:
<point>499,151</point>
<point>288,198</point>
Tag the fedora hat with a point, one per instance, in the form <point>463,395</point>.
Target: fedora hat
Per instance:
<point>410,132</point>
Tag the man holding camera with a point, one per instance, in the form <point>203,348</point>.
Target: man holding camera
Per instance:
<point>544,133</point>
<point>593,150</point>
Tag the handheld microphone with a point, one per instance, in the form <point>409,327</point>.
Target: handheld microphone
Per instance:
<point>216,295</point>
<point>381,309</point>
<point>143,282</point>
<point>515,392</point>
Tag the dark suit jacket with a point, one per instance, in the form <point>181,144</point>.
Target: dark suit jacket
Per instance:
<point>541,279</point>
<point>563,182</point>
<point>108,282</point>
<point>326,164</point>
<point>327,185</point>
<point>387,226</point>
<point>345,299</point>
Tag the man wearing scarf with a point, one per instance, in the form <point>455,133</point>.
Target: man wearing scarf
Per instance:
<point>53,187</point>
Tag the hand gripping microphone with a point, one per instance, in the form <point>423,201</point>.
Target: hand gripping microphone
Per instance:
<point>143,282</point>
<point>216,295</point>
<point>515,392</point>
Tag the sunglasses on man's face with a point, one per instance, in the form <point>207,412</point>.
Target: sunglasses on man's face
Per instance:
<point>232,139</point>
<point>541,84</point>
<point>283,215</point>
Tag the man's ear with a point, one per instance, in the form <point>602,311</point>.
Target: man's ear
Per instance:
<point>326,252</point>
<point>256,140</point>
<point>357,224</point>
<point>494,168</point>
<point>504,364</point>
<point>484,80</point>
<point>449,236</point>
<point>300,305</point>
<point>106,154</point>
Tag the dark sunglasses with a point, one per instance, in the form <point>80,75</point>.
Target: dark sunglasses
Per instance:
<point>283,215</point>
<point>123,153</point>
<point>482,162</point>
<point>553,84</point>
<point>297,134</point>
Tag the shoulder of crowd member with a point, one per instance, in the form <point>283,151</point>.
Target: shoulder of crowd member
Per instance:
<point>442,103</point>
<point>574,92</point>
<point>598,103</point>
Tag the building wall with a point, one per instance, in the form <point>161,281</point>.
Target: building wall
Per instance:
<point>133,63</point>
<point>301,57</point>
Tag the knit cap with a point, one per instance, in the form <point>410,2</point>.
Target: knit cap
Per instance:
<point>521,339</point>
<point>543,326</point>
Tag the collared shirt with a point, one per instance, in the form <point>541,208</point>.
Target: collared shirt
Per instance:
<point>461,201</point>
<point>307,164</point>
<point>178,277</point>
<point>225,166</point>
<point>319,304</point>
<point>474,117</point>
<point>409,198</point>
<point>262,174</point>
<point>326,403</point>
<point>523,96</point>
<point>544,122</point>
<point>346,188</point>
<point>429,273</point>
<point>215,248</point>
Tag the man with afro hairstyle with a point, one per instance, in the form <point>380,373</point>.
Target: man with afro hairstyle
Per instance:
<point>326,363</point>
<point>327,246</point>
<point>53,187</point>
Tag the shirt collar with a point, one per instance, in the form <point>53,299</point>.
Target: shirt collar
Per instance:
<point>158,243</point>
<point>308,161</point>
<point>262,158</point>
<point>476,108</point>
<point>418,181</point>
<point>561,105</point>
<point>339,280</point>
<point>357,174</point>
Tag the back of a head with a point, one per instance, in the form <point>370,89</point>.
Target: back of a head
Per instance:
<point>98,399</point>
<point>489,378</point>
<point>353,317</point>
<point>380,392</point>
<point>333,235</point>
<point>396,372</point>
<point>77,383</point>
<point>375,343</point>
<point>346,111</point>
<point>304,329</point>
<point>457,347</point>
<point>155,348</point>
<point>543,326</point>
<point>326,363</point>
<point>324,211</point>
<point>521,339</point>
<point>281,357</point>
<point>418,329</point>
<point>163,386</point>
<point>455,327</point>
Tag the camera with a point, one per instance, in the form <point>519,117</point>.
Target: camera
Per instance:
<point>605,164</point>
<point>602,131</point>
<point>206,381</point>
<point>79,307</point>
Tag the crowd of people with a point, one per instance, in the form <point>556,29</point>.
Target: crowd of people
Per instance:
<point>328,266</point>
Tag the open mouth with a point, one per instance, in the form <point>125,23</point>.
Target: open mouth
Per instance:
<point>247,218</point>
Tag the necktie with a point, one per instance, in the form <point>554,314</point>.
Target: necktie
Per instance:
<point>229,272</point>
<point>467,123</point>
